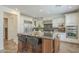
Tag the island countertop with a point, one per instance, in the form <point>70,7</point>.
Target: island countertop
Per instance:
<point>39,36</point>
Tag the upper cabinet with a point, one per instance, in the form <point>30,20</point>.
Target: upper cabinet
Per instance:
<point>58,21</point>
<point>47,21</point>
<point>72,19</point>
<point>48,25</point>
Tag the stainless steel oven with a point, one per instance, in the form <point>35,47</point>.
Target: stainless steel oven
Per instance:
<point>47,27</point>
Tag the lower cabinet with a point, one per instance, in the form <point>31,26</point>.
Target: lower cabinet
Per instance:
<point>47,46</point>
<point>56,45</point>
<point>19,46</point>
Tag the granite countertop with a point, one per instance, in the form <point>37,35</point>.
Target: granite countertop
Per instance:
<point>39,36</point>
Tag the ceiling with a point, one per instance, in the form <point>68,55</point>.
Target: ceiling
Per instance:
<point>43,10</point>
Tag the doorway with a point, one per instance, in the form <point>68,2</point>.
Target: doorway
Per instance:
<point>10,32</point>
<point>5,32</point>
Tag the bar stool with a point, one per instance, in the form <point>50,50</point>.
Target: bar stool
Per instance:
<point>38,48</point>
<point>35,43</point>
<point>24,43</point>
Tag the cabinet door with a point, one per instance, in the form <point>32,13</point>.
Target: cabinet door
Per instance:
<point>46,46</point>
<point>56,45</point>
<point>19,46</point>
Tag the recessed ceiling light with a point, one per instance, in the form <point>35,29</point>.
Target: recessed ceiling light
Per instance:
<point>58,5</point>
<point>48,12</point>
<point>41,10</point>
<point>70,7</point>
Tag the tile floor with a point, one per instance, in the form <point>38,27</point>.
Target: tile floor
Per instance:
<point>64,48</point>
<point>69,47</point>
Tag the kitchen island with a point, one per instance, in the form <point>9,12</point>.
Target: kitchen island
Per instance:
<point>37,44</point>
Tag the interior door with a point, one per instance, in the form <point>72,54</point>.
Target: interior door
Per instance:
<point>6,28</point>
<point>5,32</point>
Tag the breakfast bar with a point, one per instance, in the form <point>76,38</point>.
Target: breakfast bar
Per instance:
<point>37,44</point>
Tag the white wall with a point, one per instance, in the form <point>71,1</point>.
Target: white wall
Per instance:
<point>1,31</point>
<point>12,28</point>
<point>2,11</point>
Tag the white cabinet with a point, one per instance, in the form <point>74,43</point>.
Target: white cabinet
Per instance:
<point>58,21</point>
<point>71,19</point>
<point>71,23</point>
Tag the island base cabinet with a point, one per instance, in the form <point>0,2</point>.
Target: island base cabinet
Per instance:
<point>56,45</point>
<point>47,46</point>
<point>50,46</point>
<point>19,46</point>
